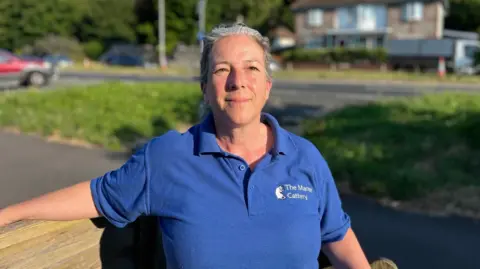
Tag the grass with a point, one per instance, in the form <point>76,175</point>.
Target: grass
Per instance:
<point>111,115</point>
<point>405,149</point>
<point>172,69</point>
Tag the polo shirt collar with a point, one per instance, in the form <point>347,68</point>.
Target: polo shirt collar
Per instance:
<point>283,141</point>
<point>207,142</point>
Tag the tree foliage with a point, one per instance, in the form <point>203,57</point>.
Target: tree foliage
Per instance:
<point>463,15</point>
<point>97,24</point>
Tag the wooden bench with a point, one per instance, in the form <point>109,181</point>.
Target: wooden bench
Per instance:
<point>79,244</point>
<point>84,244</point>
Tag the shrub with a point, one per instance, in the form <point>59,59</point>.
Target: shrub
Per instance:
<point>52,44</point>
<point>336,55</point>
<point>93,49</point>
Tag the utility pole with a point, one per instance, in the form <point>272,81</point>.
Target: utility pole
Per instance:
<point>201,10</point>
<point>162,59</point>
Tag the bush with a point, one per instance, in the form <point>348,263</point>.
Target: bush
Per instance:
<point>52,44</point>
<point>93,49</point>
<point>112,115</point>
<point>336,55</point>
<point>403,149</point>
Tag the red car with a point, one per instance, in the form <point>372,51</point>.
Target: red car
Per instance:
<point>17,72</point>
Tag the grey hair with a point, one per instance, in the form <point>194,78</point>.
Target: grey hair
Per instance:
<point>224,30</point>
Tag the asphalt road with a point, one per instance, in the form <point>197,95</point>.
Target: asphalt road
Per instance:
<point>30,167</point>
<point>386,88</point>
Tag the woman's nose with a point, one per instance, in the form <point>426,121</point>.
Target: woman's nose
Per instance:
<point>235,80</point>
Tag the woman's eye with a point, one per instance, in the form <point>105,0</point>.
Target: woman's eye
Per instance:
<point>221,70</point>
<point>253,68</point>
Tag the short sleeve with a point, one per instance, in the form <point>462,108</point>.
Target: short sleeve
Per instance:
<point>122,195</point>
<point>334,221</point>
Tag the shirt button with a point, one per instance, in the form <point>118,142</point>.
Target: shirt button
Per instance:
<point>241,167</point>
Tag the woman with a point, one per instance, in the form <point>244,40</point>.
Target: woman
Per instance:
<point>234,191</point>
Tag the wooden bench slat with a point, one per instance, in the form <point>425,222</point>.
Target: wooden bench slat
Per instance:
<point>51,247</point>
<point>87,259</point>
<point>18,225</point>
<point>24,231</point>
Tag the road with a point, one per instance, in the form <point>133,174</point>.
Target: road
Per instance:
<point>388,88</point>
<point>31,166</point>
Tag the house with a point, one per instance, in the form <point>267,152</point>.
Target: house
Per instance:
<point>366,23</point>
<point>281,38</point>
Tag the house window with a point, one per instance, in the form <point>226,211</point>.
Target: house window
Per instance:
<point>346,18</point>
<point>315,17</point>
<point>330,41</point>
<point>315,42</point>
<point>381,17</point>
<point>380,42</point>
<point>366,17</point>
<point>413,11</point>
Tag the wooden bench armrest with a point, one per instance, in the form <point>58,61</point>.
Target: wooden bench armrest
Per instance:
<point>90,243</point>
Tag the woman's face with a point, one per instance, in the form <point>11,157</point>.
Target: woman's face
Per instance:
<point>238,86</point>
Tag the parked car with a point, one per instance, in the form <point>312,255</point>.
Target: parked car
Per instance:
<point>17,71</point>
<point>130,55</point>
<point>61,61</point>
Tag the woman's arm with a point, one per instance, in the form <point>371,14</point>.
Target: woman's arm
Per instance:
<point>71,203</point>
<point>346,253</point>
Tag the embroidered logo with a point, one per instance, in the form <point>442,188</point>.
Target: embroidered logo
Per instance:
<point>293,192</point>
<point>279,193</point>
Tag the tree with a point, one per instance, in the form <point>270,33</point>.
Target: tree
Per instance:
<point>255,13</point>
<point>279,16</point>
<point>107,20</point>
<point>463,15</point>
<point>24,21</point>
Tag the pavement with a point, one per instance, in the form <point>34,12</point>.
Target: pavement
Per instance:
<point>32,166</point>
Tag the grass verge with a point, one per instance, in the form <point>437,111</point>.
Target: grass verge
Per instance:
<point>172,70</point>
<point>424,149</point>
<point>112,115</point>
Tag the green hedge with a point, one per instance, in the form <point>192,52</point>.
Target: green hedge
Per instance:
<point>405,148</point>
<point>113,115</point>
<point>336,55</point>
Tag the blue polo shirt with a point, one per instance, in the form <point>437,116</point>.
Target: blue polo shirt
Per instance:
<point>214,212</point>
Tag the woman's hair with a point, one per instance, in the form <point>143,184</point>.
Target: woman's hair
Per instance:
<point>217,33</point>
